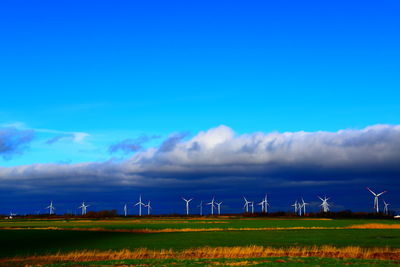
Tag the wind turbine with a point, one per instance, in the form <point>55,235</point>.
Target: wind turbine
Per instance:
<point>219,207</point>
<point>295,205</point>
<point>325,205</point>
<point>303,205</point>
<point>51,208</point>
<point>140,203</point>
<point>252,207</point>
<point>187,204</point>
<point>125,209</point>
<point>201,208</point>
<point>83,207</point>
<point>262,205</point>
<point>385,209</point>
<point>148,208</point>
<point>266,204</point>
<point>376,199</point>
<point>212,203</point>
<point>246,204</point>
<point>299,209</point>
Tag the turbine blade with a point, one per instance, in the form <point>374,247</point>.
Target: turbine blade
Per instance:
<point>381,193</point>
<point>372,192</point>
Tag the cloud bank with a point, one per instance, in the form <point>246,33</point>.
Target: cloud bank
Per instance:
<point>219,156</point>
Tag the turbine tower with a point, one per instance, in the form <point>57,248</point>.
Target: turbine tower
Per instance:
<point>201,208</point>
<point>246,204</point>
<point>51,208</point>
<point>303,205</point>
<point>212,203</point>
<point>148,207</point>
<point>187,204</point>
<point>140,203</point>
<point>252,207</point>
<point>325,205</point>
<point>262,205</point>
<point>219,207</point>
<point>385,209</point>
<point>83,207</point>
<point>299,208</point>
<point>376,199</point>
<point>125,209</point>
<point>295,205</point>
<point>266,204</point>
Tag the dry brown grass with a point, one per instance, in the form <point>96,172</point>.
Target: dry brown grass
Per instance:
<point>374,226</point>
<point>215,252</point>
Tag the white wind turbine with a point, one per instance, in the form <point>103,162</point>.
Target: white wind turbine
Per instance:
<point>83,207</point>
<point>187,204</point>
<point>201,208</point>
<point>219,207</point>
<point>385,209</point>
<point>252,207</point>
<point>246,204</point>
<point>299,208</point>
<point>325,205</point>
<point>376,199</point>
<point>125,209</point>
<point>295,205</point>
<point>140,203</point>
<point>212,203</point>
<point>303,205</point>
<point>264,204</point>
<point>51,208</point>
<point>148,207</point>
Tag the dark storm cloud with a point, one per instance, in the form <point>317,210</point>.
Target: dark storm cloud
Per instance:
<point>131,145</point>
<point>218,156</point>
<point>14,141</point>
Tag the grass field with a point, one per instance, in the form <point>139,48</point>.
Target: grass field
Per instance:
<point>179,223</point>
<point>27,238</point>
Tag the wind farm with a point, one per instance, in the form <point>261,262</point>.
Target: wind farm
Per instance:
<point>199,133</point>
<point>265,233</point>
<point>261,234</point>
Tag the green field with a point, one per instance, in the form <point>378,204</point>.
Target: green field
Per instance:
<point>25,240</point>
<point>179,223</point>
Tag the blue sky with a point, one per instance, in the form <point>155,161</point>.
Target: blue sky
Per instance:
<point>111,71</point>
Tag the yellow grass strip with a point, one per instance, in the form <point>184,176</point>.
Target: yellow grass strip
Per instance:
<point>217,252</point>
<point>374,226</point>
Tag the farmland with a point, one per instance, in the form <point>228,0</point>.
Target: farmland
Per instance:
<point>272,237</point>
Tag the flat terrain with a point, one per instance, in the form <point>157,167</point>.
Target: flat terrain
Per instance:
<point>24,238</point>
<point>192,223</point>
